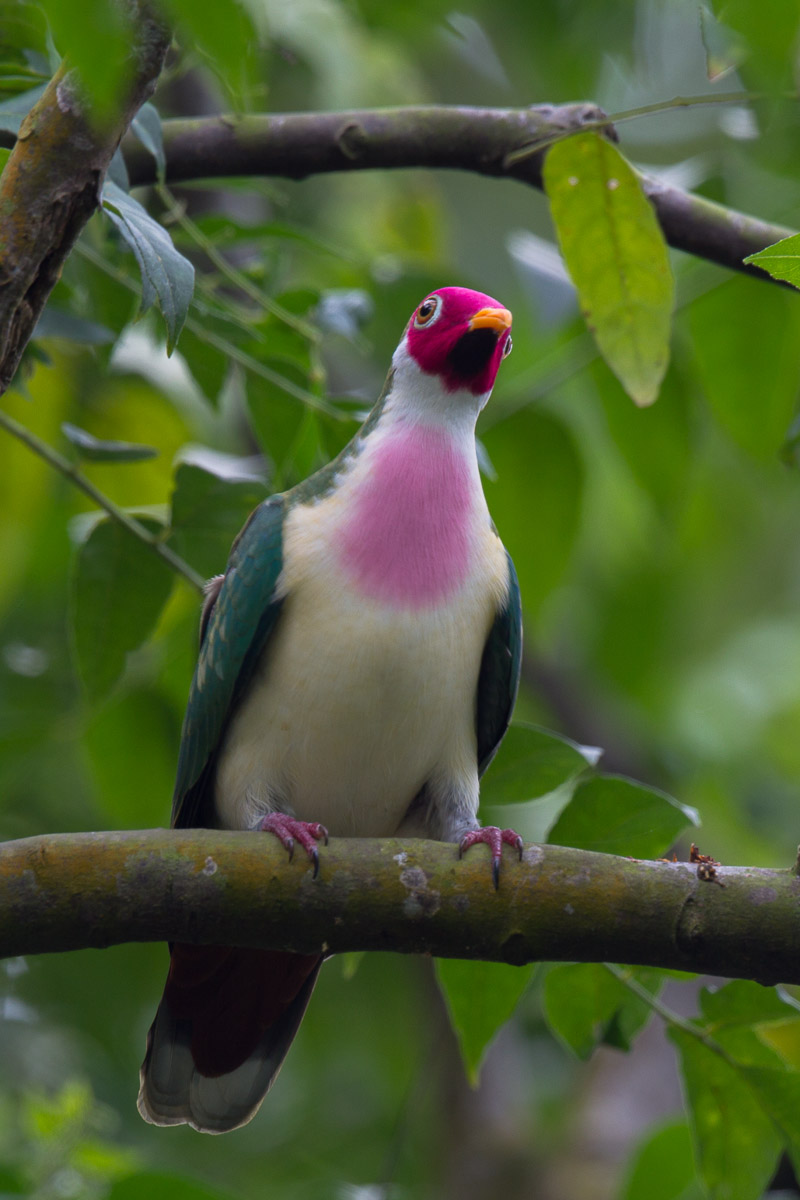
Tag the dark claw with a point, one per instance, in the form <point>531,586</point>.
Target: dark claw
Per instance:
<point>494,838</point>
<point>288,830</point>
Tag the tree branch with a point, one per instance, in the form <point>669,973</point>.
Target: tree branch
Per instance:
<point>51,185</point>
<point>500,142</point>
<point>72,891</point>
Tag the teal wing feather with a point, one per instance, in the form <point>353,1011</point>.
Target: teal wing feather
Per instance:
<point>234,634</point>
<point>498,679</point>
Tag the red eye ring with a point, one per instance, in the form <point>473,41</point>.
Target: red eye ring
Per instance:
<point>428,312</point>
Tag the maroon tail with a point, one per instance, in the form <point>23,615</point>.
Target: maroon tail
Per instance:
<point>226,1020</point>
<point>231,997</point>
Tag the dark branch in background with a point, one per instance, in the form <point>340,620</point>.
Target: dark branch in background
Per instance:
<point>488,141</point>
<point>51,185</point>
<point>71,891</point>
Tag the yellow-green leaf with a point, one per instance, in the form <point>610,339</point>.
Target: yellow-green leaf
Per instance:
<point>781,260</point>
<point>616,254</point>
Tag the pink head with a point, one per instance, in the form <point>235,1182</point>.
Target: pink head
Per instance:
<point>461,336</point>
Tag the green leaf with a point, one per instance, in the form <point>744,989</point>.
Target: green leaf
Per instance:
<point>208,510</point>
<point>778,1092</point>
<point>166,274</point>
<point>480,998</point>
<point>99,450</point>
<point>753,395</point>
<point>147,127</point>
<point>767,38</point>
<point>208,365</point>
<point>224,33</point>
<point>781,260</point>
<point>657,442</point>
<point>617,816</point>
<point>742,1002</point>
<point>736,1143</point>
<point>536,501</point>
<point>58,323</point>
<point>96,38</point>
<point>119,590</point>
<point>663,1167</point>
<point>132,787</point>
<point>586,1004</point>
<point>532,762</point>
<point>616,254</point>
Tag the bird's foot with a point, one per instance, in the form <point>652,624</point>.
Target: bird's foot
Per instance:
<point>494,838</point>
<point>288,830</point>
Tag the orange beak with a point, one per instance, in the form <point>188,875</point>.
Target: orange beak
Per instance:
<point>498,319</point>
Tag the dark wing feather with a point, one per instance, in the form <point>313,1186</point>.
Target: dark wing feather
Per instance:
<point>234,633</point>
<point>498,679</point>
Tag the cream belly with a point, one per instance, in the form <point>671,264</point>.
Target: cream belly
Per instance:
<point>355,704</point>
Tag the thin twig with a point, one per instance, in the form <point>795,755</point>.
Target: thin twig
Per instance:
<point>667,1014</point>
<point>220,343</point>
<point>71,472</point>
<point>238,278</point>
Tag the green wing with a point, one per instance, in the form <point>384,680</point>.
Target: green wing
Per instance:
<point>498,679</point>
<point>233,637</point>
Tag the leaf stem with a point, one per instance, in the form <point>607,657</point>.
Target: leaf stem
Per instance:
<point>176,211</point>
<point>629,114</point>
<point>222,344</point>
<point>71,472</point>
<point>667,1014</point>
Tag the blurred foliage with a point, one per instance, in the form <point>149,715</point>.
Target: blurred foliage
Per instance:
<point>657,553</point>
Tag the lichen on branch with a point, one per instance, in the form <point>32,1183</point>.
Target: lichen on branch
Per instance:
<point>72,891</point>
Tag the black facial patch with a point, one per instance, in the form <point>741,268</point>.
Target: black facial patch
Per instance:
<point>472,352</point>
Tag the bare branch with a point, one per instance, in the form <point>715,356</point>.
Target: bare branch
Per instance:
<point>51,184</point>
<point>70,891</point>
<point>499,142</point>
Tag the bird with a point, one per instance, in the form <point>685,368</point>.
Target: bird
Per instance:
<point>358,666</point>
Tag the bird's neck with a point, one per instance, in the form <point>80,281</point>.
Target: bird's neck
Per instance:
<point>412,500</point>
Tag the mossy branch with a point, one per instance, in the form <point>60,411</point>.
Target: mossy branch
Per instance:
<point>505,143</point>
<point>72,891</point>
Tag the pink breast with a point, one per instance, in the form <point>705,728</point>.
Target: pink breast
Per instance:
<point>406,541</point>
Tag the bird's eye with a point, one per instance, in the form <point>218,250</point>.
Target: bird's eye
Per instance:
<point>507,347</point>
<point>428,311</point>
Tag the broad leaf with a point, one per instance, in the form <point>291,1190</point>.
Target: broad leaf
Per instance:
<point>133,787</point>
<point>225,35</point>
<point>97,42</point>
<point>147,127</point>
<point>532,762</point>
<point>100,450</point>
<point>618,816</point>
<point>540,455</point>
<point>736,1143</point>
<point>480,998</point>
<point>616,254</point>
<point>120,588</point>
<point>586,1004</point>
<point>166,275</point>
<point>781,260</point>
<point>208,510</point>
<point>753,394</point>
<point>58,323</point>
<point>663,1167</point>
<point>767,31</point>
